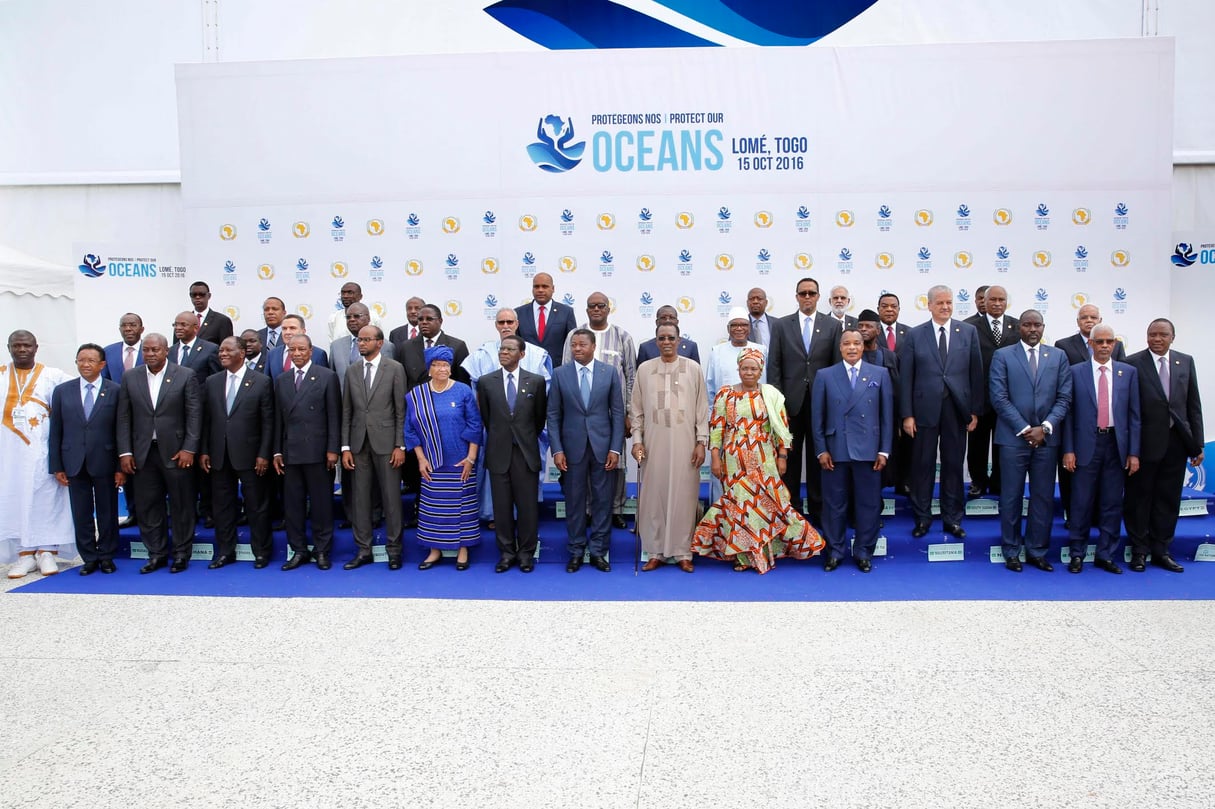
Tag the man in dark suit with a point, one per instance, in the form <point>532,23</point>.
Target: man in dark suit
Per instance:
<point>1031,393</point>
<point>995,329</point>
<point>1171,412</point>
<point>586,429</point>
<point>513,406</point>
<point>875,353</point>
<point>255,355</point>
<point>940,395</point>
<point>346,351</point>
<point>278,361</point>
<point>893,336</point>
<point>307,435</point>
<point>190,350</point>
<point>1101,438</point>
<point>238,427</point>
<point>853,407</point>
<point>802,344</point>
<point>127,352</point>
<point>158,433</point>
<point>762,323</point>
<point>411,353</point>
<point>667,316</point>
<point>82,456</point>
<point>892,332</point>
<point>839,301</point>
<point>409,329</point>
<point>273,312</point>
<point>373,442</point>
<point>544,322</point>
<point>211,326</point>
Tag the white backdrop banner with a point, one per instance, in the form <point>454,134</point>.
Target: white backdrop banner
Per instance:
<point>685,177</point>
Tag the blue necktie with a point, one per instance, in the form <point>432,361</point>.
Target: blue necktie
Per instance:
<point>272,338</point>
<point>231,391</point>
<point>88,400</point>
<point>511,393</point>
<point>585,387</point>
<point>852,374</point>
<point>806,334</point>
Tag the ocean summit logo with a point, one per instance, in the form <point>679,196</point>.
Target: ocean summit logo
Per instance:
<point>91,266</point>
<point>376,270</point>
<point>1080,258</point>
<point>963,222</point>
<point>565,222</point>
<point>1119,302</point>
<point>607,264</point>
<point>337,229</point>
<point>489,225</point>
<point>683,263</point>
<point>1042,216</point>
<point>302,273</point>
<point>844,263</point>
<point>555,149</point>
<point>229,273</point>
<point>885,217</point>
<point>1183,256</point>
<point>724,220</point>
<point>923,260</point>
<point>528,264</point>
<point>1122,216</point>
<point>645,222</point>
<point>725,302</point>
<point>801,219</point>
<point>264,231</point>
<point>413,226</point>
<point>451,267</point>
<point>763,261</point>
<point>1003,259</point>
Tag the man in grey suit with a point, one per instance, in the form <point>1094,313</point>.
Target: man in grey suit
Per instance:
<point>513,406</point>
<point>238,425</point>
<point>159,430</point>
<point>586,430</point>
<point>345,351</point>
<point>373,433</point>
<point>802,344</point>
<point>1031,394</point>
<point>762,323</point>
<point>940,395</point>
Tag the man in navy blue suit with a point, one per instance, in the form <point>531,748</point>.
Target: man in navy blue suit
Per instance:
<point>1100,440</point>
<point>544,322</point>
<point>83,456</point>
<point>278,360</point>
<point>853,428</point>
<point>667,316</point>
<point>127,352</point>
<point>940,397</point>
<point>1031,393</point>
<point>586,431</point>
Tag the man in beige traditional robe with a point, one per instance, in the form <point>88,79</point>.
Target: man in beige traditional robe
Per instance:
<point>669,411</point>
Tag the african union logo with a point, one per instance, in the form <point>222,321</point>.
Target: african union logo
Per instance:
<point>606,221</point>
<point>227,232</point>
<point>568,264</point>
<point>684,220</point>
<point>724,261</point>
<point>379,309</point>
<point>265,271</point>
<point>884,260</point>
<point>845,218</point>
<point>305,311</point>
<point>375,227</point>
<point>453,307</point>
<point>685,304</point>
<point>232,312</point>
<point>763,219</point>
<point>803,261</point>
<point>527,223</point>
<point>93,267</point>
<point>413,266</point>
<point>489,265</point>
<point>1002,216</point>
<point>554,150</point>
<point>1082,216</point>
<point>921,302</point>
<point>1042,259</point>
<point>1079,299</point>
<point>1120,258</point>
<point>301,230</point>
<point>645,263</point>
<point>1183,255</point>
<point>923,217</point>
<point>963,260</point>
<point>451,224</point>
<point>339,269</point>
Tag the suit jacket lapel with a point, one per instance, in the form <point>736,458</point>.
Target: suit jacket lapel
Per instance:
<point>864,371</point>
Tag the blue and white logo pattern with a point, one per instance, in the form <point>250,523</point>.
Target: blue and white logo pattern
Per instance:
<point>554,149</point>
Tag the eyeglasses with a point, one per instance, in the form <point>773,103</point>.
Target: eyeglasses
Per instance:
<point>807,293</point>
<point>367,339</point>
<point>596,306</point>
<point>507,322</point>
<point>665,338</point>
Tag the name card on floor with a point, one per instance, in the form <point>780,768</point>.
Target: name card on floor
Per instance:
<point>1205,553</point>
<point>982,507</point>
<point>1193,508</point>
<point>995,554</point>
<point>947,552</point>
<point>887,506</point>
<point>1065,554</point>
<point>379,553</point>
<point>878,550</point>
<point>203,551</point>
<point>244,552</point>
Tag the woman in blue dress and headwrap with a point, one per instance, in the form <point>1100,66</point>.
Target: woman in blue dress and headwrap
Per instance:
<point>443,428</point>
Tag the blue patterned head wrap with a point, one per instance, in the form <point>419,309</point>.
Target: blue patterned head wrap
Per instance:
<point>441,353</point>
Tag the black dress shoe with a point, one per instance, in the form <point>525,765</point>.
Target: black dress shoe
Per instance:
<point>1013,564</point>
<point>618,521</point>
<point>1138,562</point>
<point>1076,564</point>
<point>89,568</point>
<point>179,565</point>
<point>527,565</point>
<point>1040,563</point>
<point>154,564</point>
<point>108,566</point>
<point>260,562</point>
<point>921,529</point>
<point>220,561</point>
<point>1108,565</point>
<point>322,561</point>
<point>831,564</point>
<point>358,561</point>
<point>953,529</point>
<point>864,565</point>
<point>299,560</point>
<point>1166,562</point>
<point>394,563</point>
<point>601,564</point>
<point>574,564</point>
<point>974,491</point>
<point>462,565</point>
<point>504,564</point>
<point>428,564</point>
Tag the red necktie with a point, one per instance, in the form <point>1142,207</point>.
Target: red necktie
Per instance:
<point>286,360</point>
<point>890,337</point>
<point>413,332</point>
<point>1103,400</point>
<point>540,325</point>
<point>199,316</point>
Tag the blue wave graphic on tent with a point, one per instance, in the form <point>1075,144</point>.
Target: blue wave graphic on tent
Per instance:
<point>589,24</point>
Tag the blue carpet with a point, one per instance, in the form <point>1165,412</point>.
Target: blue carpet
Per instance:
<point>904,574</point>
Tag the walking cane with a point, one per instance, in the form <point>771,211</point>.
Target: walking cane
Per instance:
<point>637,525</point>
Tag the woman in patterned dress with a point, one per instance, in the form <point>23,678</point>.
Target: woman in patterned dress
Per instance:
<point>753,523</point>
<point>443,428</point>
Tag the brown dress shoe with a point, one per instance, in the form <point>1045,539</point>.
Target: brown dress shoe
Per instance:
<point>653,563</point>
<point>686,565</point>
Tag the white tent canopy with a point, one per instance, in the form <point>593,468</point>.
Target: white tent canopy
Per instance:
<point>23,274</point>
